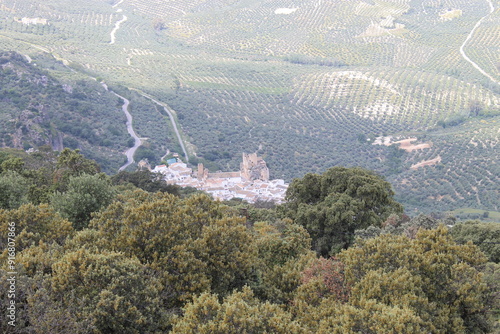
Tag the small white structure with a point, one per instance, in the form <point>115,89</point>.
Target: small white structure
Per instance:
<point>285,11</point>
<point>36,20</point>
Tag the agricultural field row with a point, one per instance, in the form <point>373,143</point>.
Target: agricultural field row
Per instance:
<point>238,110</point>
<point>483,47</point>
<point>164,9</point>
<point>396,96</point>
<point>466,174</point>
<point>309,84</point>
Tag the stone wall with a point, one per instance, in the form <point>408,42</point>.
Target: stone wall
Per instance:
<point>254,167</point>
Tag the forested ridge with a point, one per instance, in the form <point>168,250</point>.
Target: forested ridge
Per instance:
<point>39,108</point>
<point>131,254</point>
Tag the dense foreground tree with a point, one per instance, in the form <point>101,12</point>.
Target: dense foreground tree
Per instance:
<point>13,190</point>
<point>144,258</point>
<point>485,235</point>
<point>192,244</point>
<point>239,313</point>
<point>72,163</point>
<point>428,284</point>
<point>86,194</point>
<point>33,224</point>
<point>492,280</point>
<point>388,284</point>
<point>332,206</point>
<point>146,180</point>
<point>283,252</point>
<point>152,263</point>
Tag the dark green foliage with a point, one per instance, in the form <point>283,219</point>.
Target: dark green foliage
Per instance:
<point>14,164</point>
<point>155,262</point>
<point>394,159</point>
<point>484,235</point>
<point>71,142</point>
<point>37,171</point>
<point>131,142</point>
<point>239,313</point>
<point>146,180</point>
<point>284,251</point>
<point>333,205</point>
<point>72,163</point>
<point>38,109</point>
<point>191,244</point>
<point>13,190</point>
<point>362,138</point>
<point>451,121</point>
<point>145,153</point>
<point>475,107</point>
<point>430,276</point>
<point>492,280</point>
<point>260,211</point>
<point>403,225</point>
<point>305,60</point>
<point>86,194</point>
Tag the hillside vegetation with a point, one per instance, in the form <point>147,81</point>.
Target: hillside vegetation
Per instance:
<point>39,110</point>
<point>310,84</point>
<point>87,253</point>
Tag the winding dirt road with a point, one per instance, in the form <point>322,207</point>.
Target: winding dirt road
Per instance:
<point>462,52</point>
<point>117,4</point>
<point>117,26</point>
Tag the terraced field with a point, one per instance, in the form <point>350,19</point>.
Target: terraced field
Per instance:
<point>309,83</point>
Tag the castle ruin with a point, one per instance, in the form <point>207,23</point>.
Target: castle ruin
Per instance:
<point>251,168</point>
<point>251,183</point>
<point>254,168</point>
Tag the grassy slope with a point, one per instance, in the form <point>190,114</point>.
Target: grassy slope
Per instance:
<point>221,65</point>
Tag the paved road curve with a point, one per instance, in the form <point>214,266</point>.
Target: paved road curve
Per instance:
<point>131,151</point>
<point>172,119</point>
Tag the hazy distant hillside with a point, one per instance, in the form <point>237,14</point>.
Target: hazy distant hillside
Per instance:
<point>37,109</point>
<point>310,84</point>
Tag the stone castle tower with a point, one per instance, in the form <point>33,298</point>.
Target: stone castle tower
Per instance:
<point>202,173</point>
<point>254,168</point>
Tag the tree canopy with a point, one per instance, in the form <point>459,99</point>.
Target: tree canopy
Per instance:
<point>86,194</point>
<point>394,284</point>
<point>332,206</point>
<point>485,235</point>
<point>102,258</point>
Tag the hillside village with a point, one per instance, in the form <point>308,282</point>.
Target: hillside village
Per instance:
<point>251,183</point>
